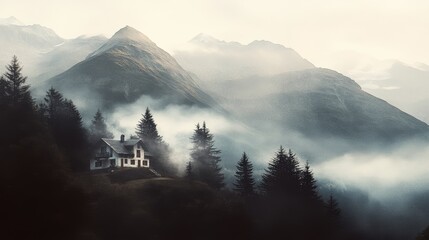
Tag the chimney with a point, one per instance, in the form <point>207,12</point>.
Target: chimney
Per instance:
<point>122,138</point>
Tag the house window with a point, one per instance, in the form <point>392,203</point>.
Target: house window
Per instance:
<point>133,162</point>
<point>126,161</point>
<point>138,153</point>
<point>98,163</point>
<point>145,162</point>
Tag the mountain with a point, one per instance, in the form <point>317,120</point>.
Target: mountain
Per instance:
<point>42,53</point>
<point>63,56</point>
<point>27,42</point>
<point>212,59</point>
<point>318,103</point>
<point>125,68</point>
<point>404,86</point>
<point>401,84</point>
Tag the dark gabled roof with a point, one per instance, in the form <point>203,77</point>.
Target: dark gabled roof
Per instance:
<point>125,147</point>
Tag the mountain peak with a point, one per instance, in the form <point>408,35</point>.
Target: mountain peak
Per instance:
<point>204,38</point>
<point>130,33</point>
<point>124,37</point>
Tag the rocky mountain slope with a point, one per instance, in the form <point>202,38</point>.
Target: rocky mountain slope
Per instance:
<point>128,66</point>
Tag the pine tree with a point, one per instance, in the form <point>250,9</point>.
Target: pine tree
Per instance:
<point>332,207</point>
<point>14,83</point>
<point>283,175</point>
<point>308,184</point>
<point>98,128</point>
<point>52,105</point>
<point>15,103</point>
<point>188,172</point>
<point>13,90</point>
<point>146,129</point>
<point>65,123</point>
<point>34,182</point>
<point>3,90</point>
<point>153,143</point>
<point>244,181</point>
<point>205,158</point>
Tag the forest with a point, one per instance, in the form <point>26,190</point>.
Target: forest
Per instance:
<point>48,191</point>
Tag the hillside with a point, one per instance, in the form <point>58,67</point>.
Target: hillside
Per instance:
<point>127,67</point>
<point>317,103</point>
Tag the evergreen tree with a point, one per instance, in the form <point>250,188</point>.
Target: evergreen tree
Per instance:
<point>146,129</point>
<point>3,90</point>
<point>244,181</point>
<point>15,103</point>
<point>308,184</point>
<point>205,158</point>
<point>289,201</point>
<point>332,207</point>
<point>153,143</point>
<point>283,175</point>
<point>98,128</point>
<point>51,107</point>
<point>13,84</point>
<point>34,180</point>
<point>332,215</point>
<point>188,171</point>
<point>65,123</point>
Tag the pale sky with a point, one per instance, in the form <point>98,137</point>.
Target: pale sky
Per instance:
<point>317,29</point>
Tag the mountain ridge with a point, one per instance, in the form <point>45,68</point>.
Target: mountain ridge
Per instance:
<point>128,66</point>
<point>316,102</point>
<point>212,59</point>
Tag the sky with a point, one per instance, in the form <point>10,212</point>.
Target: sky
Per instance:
<point>318,30</point>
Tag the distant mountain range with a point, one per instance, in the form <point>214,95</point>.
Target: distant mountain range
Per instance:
<point>41,51</point>
<point>265,85</point>
<point>212,59</point>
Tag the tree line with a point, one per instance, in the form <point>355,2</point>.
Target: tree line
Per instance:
<point>286,198</point>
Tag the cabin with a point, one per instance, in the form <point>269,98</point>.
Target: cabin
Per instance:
<point>114,153</point>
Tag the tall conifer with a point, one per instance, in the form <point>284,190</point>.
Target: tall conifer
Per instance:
<point>308,184</point>
<point>205,158</point>
<point>282,175</point>
<point>244,181</point>
<point>65,123</point>
<point>98,128</point>
<point>147,130</point>
<point>153,143</point>
<point>14,84</point>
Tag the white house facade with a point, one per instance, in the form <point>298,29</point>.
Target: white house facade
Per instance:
<point>119,153</point>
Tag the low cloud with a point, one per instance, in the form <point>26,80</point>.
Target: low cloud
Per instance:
<point>175,124</point>
<point>384,175</point>
<point>382,183</point>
